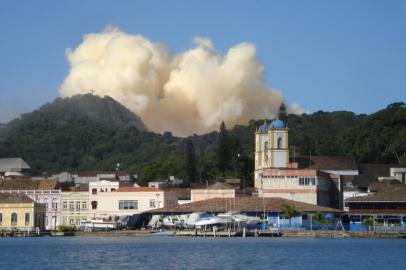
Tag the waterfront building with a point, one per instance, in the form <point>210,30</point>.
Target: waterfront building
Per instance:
<point>75,207</point>
<point>13,167</point>
<point>371,174</point>
<point>108,199</point>
<point>21,213</point>
<point>383,209</point>
<point>217,190</point>
<point>275,176</point>
<point>42,191</point>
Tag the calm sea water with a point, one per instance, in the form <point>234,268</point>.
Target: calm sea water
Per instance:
<point>200,253</point>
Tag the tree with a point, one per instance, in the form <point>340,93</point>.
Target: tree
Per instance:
<point>190,162</point>
<point>282,114</point>
<point>320,219</point>
<point>223,150</point>
<point>289,210</point>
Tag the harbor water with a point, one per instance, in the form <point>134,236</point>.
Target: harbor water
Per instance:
<point>200,253</point>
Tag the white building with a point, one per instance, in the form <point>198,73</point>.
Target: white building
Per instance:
<point>107,199</point>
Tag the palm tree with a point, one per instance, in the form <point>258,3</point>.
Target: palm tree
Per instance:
<point>289,210</point>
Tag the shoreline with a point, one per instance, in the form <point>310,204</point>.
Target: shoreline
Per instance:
<point>284,234</point>
<point>222,234</point>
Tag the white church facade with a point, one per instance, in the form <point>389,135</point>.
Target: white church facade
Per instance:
<point>275,176</point>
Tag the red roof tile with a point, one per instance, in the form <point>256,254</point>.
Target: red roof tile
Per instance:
<point>138,189</point>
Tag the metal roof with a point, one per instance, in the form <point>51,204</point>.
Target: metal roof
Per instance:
<point>13,165</point>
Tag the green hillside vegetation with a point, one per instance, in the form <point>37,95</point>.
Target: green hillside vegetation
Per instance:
<point>87,132</point>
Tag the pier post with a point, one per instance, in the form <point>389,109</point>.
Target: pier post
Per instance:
<point>243,232</point>
<point>229,232</point>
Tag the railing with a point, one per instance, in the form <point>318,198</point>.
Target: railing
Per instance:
<point>31,191</point>
<point>388,228</point>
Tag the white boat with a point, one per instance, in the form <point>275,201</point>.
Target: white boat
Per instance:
<point>172,221</point>
<point>212,221</point>
<point>193,218</point>
<point>161,233</point>
<point>155,221</point>
<point>240,218</point>
<point>98,224</point>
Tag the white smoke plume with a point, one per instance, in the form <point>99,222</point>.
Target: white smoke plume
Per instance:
<point>185,93</point>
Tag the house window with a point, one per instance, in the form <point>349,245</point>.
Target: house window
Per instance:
<point>71,205</point>
<point>94,191</point>
<point>14,219</point>
<point>307,181</point>
<point>94,204</point>
<point>113,189</point>
<point>266,145</point>
<point>71,221</point>
<point>77,221</point>
<point>27,219</point>
<point>65,205</point>
<point>65,220</point>
<point>46,202</point>
<point>151,203</point>
<point>84,205</point>
<point>126,205</point>
<point>55,203</point>
<point>78,205</point>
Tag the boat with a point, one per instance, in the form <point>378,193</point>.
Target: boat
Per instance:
<point>155,221</point>
<point>98,225</point>
<point>161,233</point>
<point>215,220</point>
<point>191,220</point>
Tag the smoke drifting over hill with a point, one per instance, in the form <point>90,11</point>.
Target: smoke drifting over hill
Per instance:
<point>185,93</point>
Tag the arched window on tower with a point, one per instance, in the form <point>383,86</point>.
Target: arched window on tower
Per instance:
<point>266,145</point>
<point>279,143</point>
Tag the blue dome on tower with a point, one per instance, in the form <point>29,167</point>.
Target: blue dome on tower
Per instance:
<point>277,124</point>
<point>263,128</point>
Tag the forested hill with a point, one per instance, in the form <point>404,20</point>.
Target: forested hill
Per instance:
<point>87,132</point>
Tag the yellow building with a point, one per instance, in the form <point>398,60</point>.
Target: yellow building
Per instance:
<point>19,212</point>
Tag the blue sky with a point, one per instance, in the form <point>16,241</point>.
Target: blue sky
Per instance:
<point>324,55</point>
